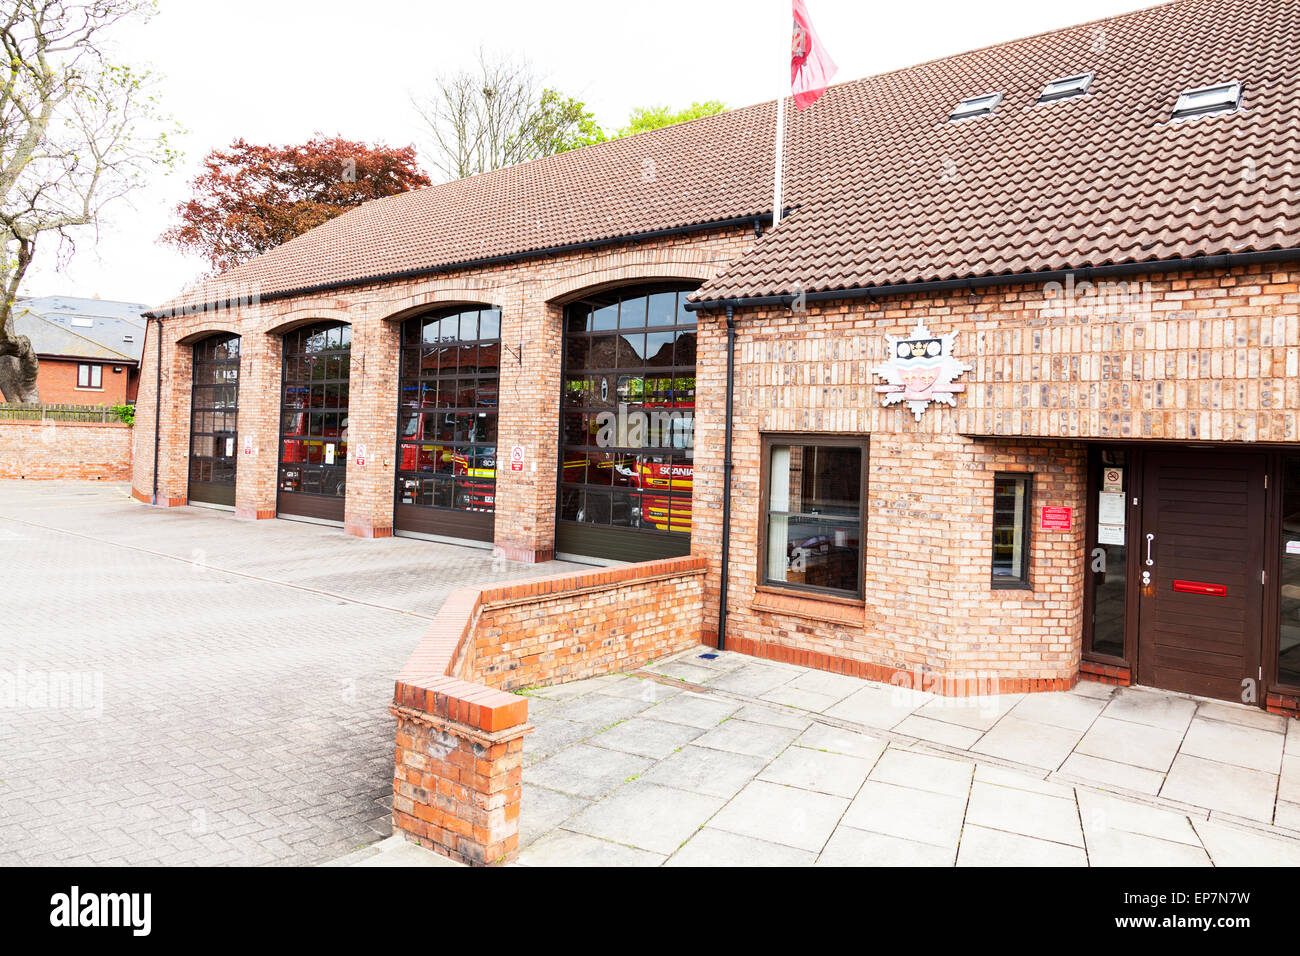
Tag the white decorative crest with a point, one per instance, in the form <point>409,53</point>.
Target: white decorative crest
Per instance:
<point>921,370</point>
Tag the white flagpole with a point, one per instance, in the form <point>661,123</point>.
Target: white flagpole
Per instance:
<point>777,198</point>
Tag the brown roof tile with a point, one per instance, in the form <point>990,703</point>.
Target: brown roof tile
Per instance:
<point>886,190</point>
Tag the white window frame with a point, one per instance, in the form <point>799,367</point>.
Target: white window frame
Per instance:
<point>974,106</point>
<point>1229,102</point>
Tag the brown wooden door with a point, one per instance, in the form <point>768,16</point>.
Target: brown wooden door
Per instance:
<point>1199,567</point>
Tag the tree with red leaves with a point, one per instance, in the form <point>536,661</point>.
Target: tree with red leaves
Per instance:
<point>250,198</point>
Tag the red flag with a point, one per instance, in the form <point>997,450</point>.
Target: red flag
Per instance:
<point>811,68</point>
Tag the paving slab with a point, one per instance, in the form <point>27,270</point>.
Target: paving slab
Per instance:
<point>924,772</point>
<point>640,688</point>
<point>1140,745</point>
<point>1016,780</point>
<point>752,680</point>
<point>1103,814</point>
<point>745,737</point>
<point>586,771</point>
<point>838,740</point>
<point>1111,773</point>
<point>598,710</point>
<point>984,847</point>
<point>879,705</point>
<point>713,847</point>
<point>977,713</point>
<point>1234,743</point>
<point>542,810</point>
<point>717,773</point>
<point>850,847</point>
<point>566,848</point>
<point>656,739</point>
<point>1220,786</point>
<point>1028,742</point>
<point>1118,848</point>
<point>908,814</point>
<point>1230,845</point>
<point>1029,814</point>
<point>646,816</point>
<point>1152,708</point>
<point>1070,711</point>
<point>821,771</point>
<point>694,710</point>
<point>780,814</point>
<point>776,715</point>
<point>936,731</point>
<point>1241,714</point>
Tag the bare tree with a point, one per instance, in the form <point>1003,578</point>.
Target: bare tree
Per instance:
<point>77,133</point>
<point>497,114</point>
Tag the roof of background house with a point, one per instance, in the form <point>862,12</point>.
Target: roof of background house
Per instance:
<point>117,327</point>
<point>886,190</point>
<point>82,328</point>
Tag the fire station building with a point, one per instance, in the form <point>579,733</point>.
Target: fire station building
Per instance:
<point>1011,393</point>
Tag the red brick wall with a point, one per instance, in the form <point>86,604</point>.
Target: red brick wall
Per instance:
<point>458,766</point>
<point>56,379</point>
<point>1211,357</point>
<point>531,294</point>
<point>65,450</point>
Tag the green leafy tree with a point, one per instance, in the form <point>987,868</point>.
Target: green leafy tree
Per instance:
<point>656,117</point>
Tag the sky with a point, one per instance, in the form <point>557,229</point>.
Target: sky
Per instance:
<point>279,71</point>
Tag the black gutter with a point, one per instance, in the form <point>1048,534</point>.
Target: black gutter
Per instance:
<point>157,408</point>
<point>726,481</point>
<point>754,221</point>
<point>1084,274</point>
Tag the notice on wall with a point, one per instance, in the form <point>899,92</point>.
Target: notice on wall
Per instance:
<point>1112,479</point>
<point>248,445</point>
<point>329,453</point>
<point>361,453</point>
<point>1057,519</point>
<point>517,458</point>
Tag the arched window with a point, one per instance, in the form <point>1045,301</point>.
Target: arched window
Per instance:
<point>314,421</point>
<point>627,431</point>
<point>214,420</point>
<point>447,424</point>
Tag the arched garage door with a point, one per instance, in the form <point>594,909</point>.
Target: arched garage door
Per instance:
<point>214,420</point>
<point>627,425</point>
<point>314,422</point>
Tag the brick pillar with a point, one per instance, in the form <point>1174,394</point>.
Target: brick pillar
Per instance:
<point>260,377</point>
<point>372,422</point>
<point>530,400</point>
<point>173,424</point>
<point>457,778</point>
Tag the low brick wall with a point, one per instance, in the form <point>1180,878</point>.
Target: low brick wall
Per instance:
<point>459,758</point>
<point>50,450</point>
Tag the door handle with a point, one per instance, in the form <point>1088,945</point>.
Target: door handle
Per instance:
<point>1150,538</point>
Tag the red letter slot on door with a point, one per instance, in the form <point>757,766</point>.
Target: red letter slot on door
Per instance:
<point>1196,587</point>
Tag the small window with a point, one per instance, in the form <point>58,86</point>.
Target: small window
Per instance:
<point>83,323</point>
<point>1011,494</point>
<point>815,514</point>
<point>90,376</point>
<point>976,106</point>
<point>128,338</point>
<point>1220,98</point>
<point>1063,89</point>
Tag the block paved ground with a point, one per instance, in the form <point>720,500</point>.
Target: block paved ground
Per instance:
<point>736,761</point>
<point>237,678</point>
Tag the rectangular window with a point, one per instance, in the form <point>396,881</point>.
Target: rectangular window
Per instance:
<point>89,376</point>
<point>815,515</point>
<point>1011,494</point>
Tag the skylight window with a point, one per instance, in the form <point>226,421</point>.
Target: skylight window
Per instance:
<point>1063,89</point>
<point>83,323</point>
<point>1220,98</point>
<point>976,106</point>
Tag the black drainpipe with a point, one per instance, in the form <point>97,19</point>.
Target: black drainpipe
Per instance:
<point>157,409</point>
<point>726,479</point>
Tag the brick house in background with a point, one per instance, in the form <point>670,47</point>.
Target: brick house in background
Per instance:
<point>89,349</point>
<point>1010,396</point>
